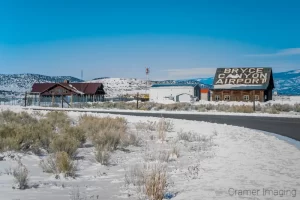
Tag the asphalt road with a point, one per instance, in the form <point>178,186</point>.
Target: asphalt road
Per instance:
<point>289,127</point>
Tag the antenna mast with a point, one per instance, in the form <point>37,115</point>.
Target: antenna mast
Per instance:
<point>147,75</point>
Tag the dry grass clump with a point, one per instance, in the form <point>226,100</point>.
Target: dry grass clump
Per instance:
<point>156,182</point>
<point>104,132</point>
<point>66,144</point>
<point>57,119</point>
<point>150,179</point>
<point>53,132</point>
<point>60,162</point>
<point>23,118</point>
<point>75,132</point>
<point>20,174</point>
<point>24,136</point>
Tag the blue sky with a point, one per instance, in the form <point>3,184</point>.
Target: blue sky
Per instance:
<point>119,38</point>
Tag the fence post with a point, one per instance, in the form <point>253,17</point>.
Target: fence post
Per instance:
<point>62,102</point>
<point>25,99</point>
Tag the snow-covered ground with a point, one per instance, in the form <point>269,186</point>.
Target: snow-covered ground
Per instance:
<point>234,160</point>
<point>112,110</point>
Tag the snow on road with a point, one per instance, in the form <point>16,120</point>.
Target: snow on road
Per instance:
<point>235,161</point>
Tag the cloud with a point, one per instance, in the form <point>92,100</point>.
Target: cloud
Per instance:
<point>283,52</point>
<point>190,72</point>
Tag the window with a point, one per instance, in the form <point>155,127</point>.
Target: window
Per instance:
<point>246,97</point>
<point>256,97</point>
<point>217,97</point>
<point>226,97</point>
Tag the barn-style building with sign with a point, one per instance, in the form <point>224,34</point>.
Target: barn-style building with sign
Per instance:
<point>243,84</point>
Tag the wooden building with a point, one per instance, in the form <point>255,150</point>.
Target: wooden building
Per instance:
<point>67,92</point>
<point>243,84</point>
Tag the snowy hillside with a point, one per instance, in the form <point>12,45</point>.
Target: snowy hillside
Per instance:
<point>287,83</point>
<point>122,86</point>
<point>126,86</point>
<point>24,82</point>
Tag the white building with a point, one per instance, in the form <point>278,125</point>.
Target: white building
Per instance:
<point>175,92</point>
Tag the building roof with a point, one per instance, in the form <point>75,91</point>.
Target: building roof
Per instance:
<point>243,78</point>
<point>78,88</point>
<point>174,85</point>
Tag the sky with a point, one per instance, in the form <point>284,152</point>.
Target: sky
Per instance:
<point>120,38</point>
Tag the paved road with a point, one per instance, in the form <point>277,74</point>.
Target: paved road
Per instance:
<point>289,127</point>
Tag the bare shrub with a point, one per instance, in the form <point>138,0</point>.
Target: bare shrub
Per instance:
<point>161,128</point>
<point>75,194</point>
<point>66,144</point>
<point>135,176</point>
<point>282,107</point>
<point>192,137</point>
<point>164,156</point>
<point>102,156</point>
<point>20,174</point>
<point>271,110</point>
<point>49,165</point>
<point>141,126</point>
<point>161,156</point>
<point>59,162</point>
<point>131,139</point>
<point>193,171</point>
<point>175,151</point>
<point>168,125</point>
<point>156,182</point>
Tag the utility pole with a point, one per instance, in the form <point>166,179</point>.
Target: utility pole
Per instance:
<point>147,77</point>
<point>254,101</point>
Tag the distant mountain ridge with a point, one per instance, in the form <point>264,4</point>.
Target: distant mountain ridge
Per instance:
<point>24,82</point>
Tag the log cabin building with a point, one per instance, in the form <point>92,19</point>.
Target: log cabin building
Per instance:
<point>67,92</point>
<point>243,84</point>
